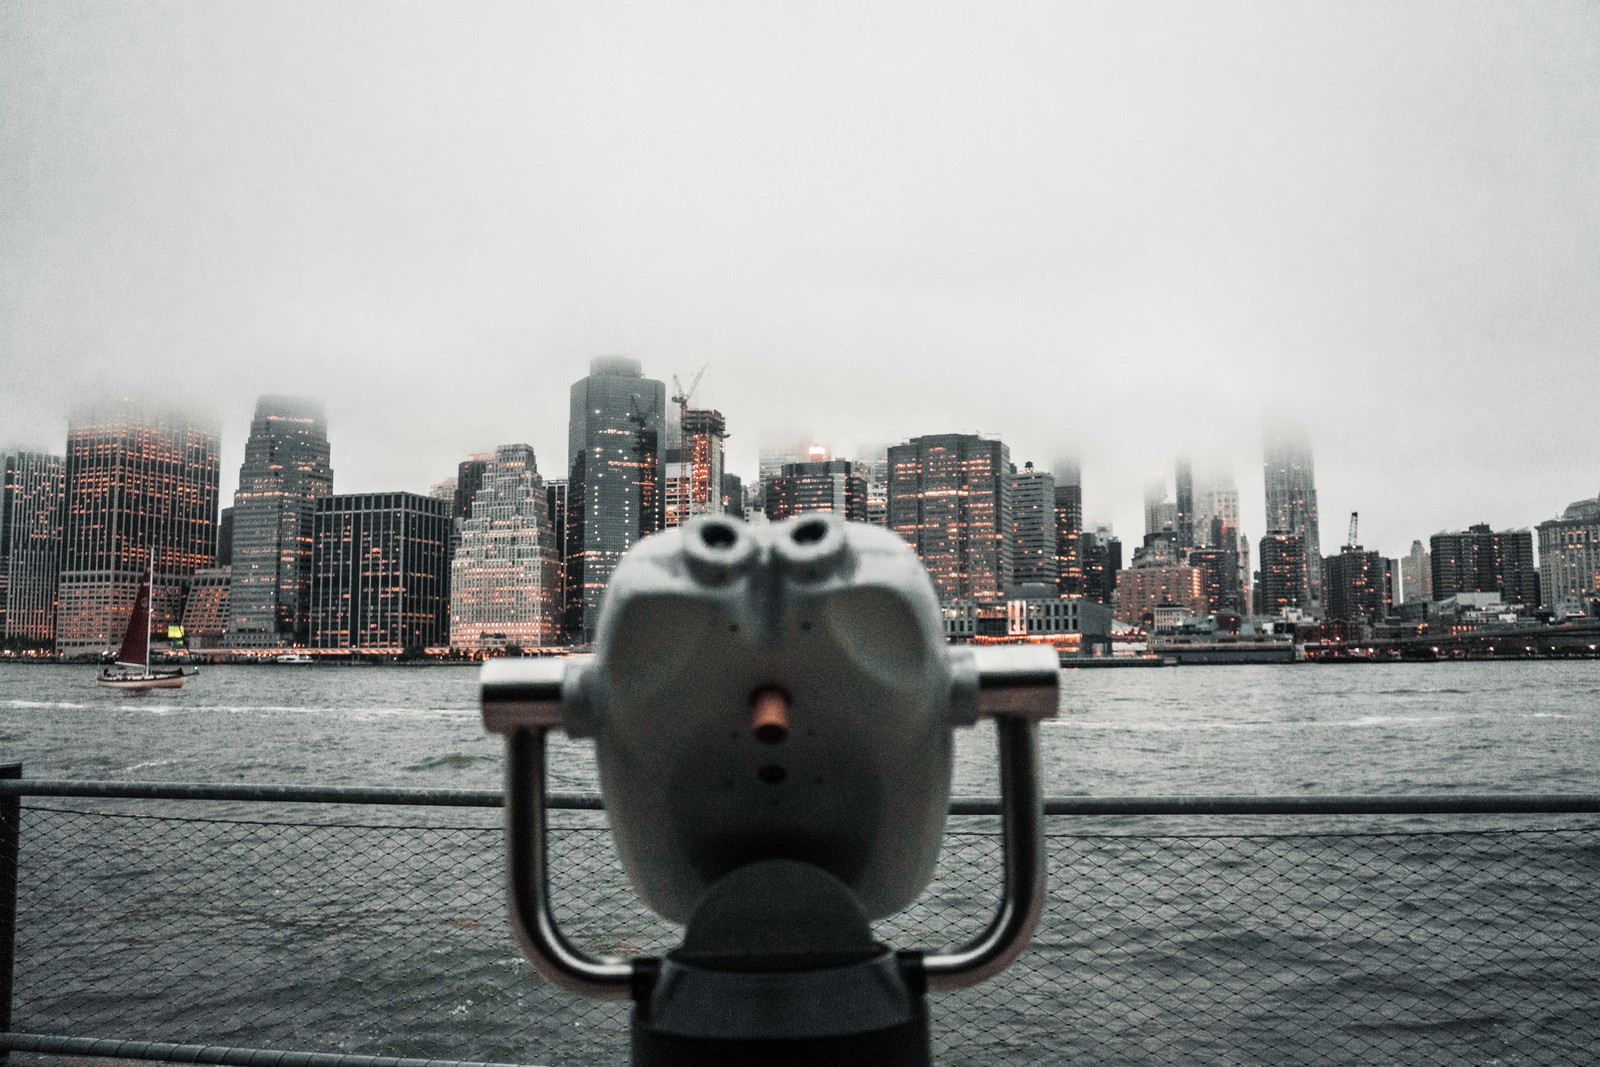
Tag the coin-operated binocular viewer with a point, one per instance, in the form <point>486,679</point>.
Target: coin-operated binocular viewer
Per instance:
<point>772,711</point>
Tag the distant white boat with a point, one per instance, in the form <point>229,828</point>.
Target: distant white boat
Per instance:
<point>292,657</point>
<point>132,669</point>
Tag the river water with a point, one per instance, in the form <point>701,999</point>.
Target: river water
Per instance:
<point>1309,728</point>
<point>1248,942</point>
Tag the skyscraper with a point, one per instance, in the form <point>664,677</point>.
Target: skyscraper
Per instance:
<point>380,572</point>
<point>950,499</point>
<point>1481,560</point>
<point>1160,514</point>
<point>1217,500</point>
<point>828,485</point>
<point>1184,524</point>
<point>1069,535</point>
<point>1356,585</point>
<point>614,491</point>
<point>694,467</point>
<point>1283,574</point>
<point>1102,562</point>
<point>141,488</point>
<point>468,479</point>
<point>505,577</point>
<point>733,495</point>
<point>1033,527</point>
<point>32,497</point>
<point>1416,575</point>
<point>1292,502</point>
<point>1569,558</point>
<point>284,473</point>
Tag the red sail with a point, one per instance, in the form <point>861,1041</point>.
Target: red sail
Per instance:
<point>136,641</point>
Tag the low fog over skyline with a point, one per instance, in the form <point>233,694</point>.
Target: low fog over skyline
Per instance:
<point>1113,233</point>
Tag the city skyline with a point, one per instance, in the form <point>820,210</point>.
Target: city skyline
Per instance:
<point>142,486</point>
<point>1117,236</point>
<point>1133,501</point>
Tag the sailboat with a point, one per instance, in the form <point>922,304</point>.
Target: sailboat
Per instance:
<point>132,669</point>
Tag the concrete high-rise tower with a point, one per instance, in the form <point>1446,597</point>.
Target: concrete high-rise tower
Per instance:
<point>1283,574</point>
<point>284,473</point>
<point>141,489</point>
<point>32,496</point>
<point>1033,527</point>
<point>950,499</point>
<point>1291,491</point>
<point>614,484</point>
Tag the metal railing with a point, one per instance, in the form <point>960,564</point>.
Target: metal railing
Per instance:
<point>323,927</point>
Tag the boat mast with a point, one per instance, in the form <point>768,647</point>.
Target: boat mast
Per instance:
<point>149,582</point>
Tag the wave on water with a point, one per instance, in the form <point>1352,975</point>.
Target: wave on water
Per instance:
<point>1150,726</point>
<point>453,760</point>
<point>1424,692</point>
<point>149,763</point>
<point>67,705</point>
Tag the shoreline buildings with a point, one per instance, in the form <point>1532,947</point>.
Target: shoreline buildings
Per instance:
<point>141,488</point>
<point>284,474</point>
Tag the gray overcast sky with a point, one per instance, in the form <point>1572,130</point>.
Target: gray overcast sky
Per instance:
<point>1116,231</point>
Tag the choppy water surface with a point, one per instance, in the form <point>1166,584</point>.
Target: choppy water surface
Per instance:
<point>1477,727</point>
<point>1175,941</point>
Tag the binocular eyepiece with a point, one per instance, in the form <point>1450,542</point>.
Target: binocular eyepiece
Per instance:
<point>772,710</point>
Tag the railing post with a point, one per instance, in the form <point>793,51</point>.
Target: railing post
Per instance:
<point>10,830</point>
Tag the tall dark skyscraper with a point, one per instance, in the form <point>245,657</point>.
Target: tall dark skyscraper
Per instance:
<point>1292,502</point>
<point>1102,559</point>
<point>379,572</point>
<point>614,487</point>
<point>1069,537</point>
<point>284,473</point>
<point>469,479</point>
<point>1185,491</point>
<point>141,488</point>
<point>950,498</point>
<point>32,498</point>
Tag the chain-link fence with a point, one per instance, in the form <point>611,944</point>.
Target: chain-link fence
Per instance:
<point>382,931</point>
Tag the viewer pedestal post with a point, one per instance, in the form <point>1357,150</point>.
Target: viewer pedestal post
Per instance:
<point>10,827</point>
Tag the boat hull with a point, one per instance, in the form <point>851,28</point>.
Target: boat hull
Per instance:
<point>154,680</point>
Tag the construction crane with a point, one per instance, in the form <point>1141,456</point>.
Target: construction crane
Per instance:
<point>1352,541</point>
<point>681,397</point>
